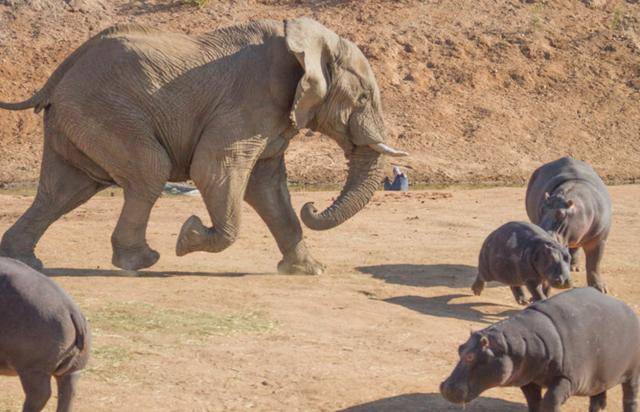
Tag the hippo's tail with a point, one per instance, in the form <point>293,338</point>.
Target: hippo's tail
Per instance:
<point>80,323</point>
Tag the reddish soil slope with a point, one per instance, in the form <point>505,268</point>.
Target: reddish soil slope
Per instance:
<point>478,91</point>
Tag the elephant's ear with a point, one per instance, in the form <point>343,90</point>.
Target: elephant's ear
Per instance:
<point>314,46</point>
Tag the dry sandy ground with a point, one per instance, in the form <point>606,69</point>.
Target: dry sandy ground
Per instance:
<point>224,332</point>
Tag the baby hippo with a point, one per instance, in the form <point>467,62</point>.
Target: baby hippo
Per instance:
<point>521,253</point>
<point>580,342</point>
<point>42,334</point>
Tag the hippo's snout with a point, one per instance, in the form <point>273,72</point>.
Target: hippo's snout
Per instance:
<point>453,393</point>
<point>562,283</point>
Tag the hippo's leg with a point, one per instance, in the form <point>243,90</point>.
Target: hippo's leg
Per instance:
<point>66,390</point>
<point>598,403</point>
<point>594,255</point>
<point>37,390</point>
<point>557,394</point>
<point>533,394</point>
<point>546,288</point>
<point>478,286</point>
<point>575,261</point>
<point>535,288</point>
<point>630,390</point>
<point>518,293</point>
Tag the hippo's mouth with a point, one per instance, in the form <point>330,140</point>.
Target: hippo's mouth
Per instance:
<point>561,284</point>
<point>457,395</point>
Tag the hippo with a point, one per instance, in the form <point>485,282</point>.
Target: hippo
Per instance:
<point>567,198</point>
<point>521,253</point>
<point>44,334</point>
<point>580,342</point>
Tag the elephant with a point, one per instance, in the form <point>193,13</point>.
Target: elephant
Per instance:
<point>136,107</point>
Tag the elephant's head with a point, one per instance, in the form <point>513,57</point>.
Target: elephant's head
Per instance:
<point>339,97</point>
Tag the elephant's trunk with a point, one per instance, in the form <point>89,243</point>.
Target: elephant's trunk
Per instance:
<point>365,170</point>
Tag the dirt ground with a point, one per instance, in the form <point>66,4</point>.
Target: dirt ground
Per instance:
<point>477,91</point>
<point>378,332</point>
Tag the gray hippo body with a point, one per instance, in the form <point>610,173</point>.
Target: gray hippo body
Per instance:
<point>44,334</point>
<point>567,198</point>
<point>521,253</point>
<point>580,342</point>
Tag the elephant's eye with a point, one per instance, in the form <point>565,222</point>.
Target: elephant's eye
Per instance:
<point>362,99</point>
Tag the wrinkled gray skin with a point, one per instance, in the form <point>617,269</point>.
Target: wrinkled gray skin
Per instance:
<point>43,335</point>
<point>580,342</point>
<point>521,253</point>
<point>567,198</point>
<point>136,107</point>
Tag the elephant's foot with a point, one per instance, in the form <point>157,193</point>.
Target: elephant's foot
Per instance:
<point>192,236</point>
<point>134,259</point>
<point>28,258</point>
<point>301,266</point>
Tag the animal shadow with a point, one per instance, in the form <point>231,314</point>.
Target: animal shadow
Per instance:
<point>433,402</point>
<point>75,272</point>
<point>441,306</point>
<point>451,275</point>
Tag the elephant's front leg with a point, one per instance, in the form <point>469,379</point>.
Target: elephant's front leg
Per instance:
<point>221,175</point>
<point>268,194</point>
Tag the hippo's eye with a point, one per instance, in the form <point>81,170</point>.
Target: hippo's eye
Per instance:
<point>469,357</point>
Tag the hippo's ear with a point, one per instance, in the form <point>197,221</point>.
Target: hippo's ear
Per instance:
<point>570,204</point>
<point>484,342</point>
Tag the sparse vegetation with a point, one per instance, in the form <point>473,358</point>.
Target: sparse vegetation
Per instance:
<point>125,317</point>
<point>198,3</point>
<point>616,20</point>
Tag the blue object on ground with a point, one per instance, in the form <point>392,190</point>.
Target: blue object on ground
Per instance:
<point>400,183</point>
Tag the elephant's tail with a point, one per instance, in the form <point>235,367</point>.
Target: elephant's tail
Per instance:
<point>34,101</point>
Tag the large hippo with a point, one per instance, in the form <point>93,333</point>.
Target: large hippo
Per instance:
<point>521,253</point>
<point>580,342</point>
<point>42,334</point>
<point>567,198</point>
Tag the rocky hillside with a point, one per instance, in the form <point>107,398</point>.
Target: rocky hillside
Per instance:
<point>478,91</point>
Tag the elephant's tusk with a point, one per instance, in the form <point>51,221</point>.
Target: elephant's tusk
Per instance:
<point>384,149</point>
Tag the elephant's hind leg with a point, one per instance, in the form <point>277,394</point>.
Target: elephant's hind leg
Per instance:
<point>141,190</point>
<point>62,188</point>
<point>268,194</point>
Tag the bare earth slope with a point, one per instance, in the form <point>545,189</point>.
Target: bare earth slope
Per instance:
<point>478,91</point>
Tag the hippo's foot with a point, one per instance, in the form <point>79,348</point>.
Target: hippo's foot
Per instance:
<point>26,258</point>
<point>304,266</point>
<point>601,286</point>
<point>132,259</point>
<point>477,287</point>
<point>523,301</point>
<point>598,402</point>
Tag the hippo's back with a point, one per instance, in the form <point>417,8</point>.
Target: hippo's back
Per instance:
<point>551,175</point>
<point>600,337</point>
<point>33,311</point>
